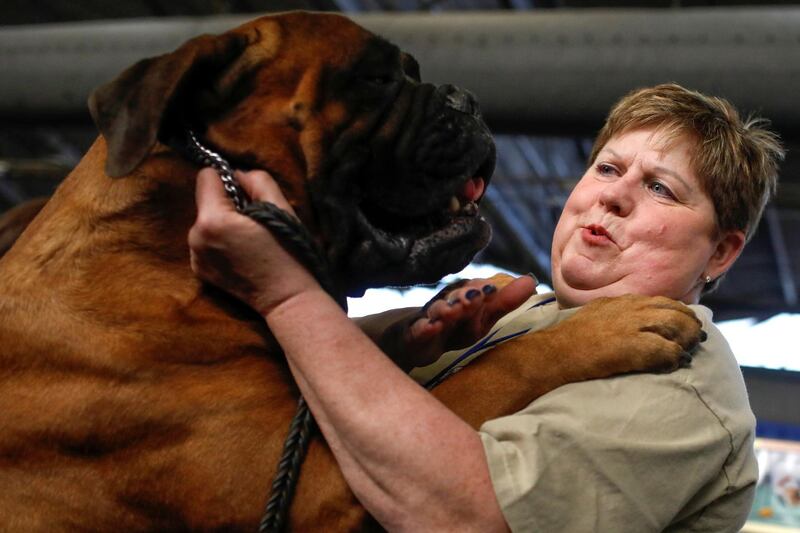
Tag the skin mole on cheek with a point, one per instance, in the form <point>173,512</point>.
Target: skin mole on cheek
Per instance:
<point>657,231</point>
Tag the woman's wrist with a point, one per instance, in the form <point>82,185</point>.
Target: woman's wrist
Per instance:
<point>294,305</point>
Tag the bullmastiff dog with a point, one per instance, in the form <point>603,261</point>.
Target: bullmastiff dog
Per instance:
<point>136,398</point>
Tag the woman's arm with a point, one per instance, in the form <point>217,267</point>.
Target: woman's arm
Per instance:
<point>411,462</point>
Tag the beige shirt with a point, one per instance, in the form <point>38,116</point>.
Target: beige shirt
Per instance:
<point>634,453</point>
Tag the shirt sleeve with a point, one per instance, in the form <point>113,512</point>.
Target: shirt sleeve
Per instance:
<point>623,454</point>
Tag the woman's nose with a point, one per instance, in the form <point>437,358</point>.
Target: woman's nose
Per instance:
<point>618,196</point>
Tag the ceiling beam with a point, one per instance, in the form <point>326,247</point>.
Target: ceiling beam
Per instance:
<point>542,71</point>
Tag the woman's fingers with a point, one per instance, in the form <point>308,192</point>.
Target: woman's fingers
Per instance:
<point>480,304</point>
<point>509,298</point>
<point>258,184</point>
<point>210,194</point>
<point>424,330</point>
<point>462,303</point>
<point>261,187</point>
<point>236,253</point>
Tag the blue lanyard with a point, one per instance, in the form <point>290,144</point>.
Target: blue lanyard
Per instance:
<point>487,342</point>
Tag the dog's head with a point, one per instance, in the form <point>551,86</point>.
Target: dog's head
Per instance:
<point>386,171</point>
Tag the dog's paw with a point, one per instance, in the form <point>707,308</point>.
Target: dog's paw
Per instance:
<point>634,334</point>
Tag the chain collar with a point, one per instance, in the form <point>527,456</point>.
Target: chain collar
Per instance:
<point>207,157</point>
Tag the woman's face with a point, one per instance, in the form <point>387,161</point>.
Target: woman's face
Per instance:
<point>638,222</point>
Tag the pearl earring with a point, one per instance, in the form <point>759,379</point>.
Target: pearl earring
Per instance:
<point>708,280</point>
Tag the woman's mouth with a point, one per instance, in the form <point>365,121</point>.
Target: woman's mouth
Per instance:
<point>596,235</point>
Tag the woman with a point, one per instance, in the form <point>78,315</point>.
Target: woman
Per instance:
<point>676,186</point>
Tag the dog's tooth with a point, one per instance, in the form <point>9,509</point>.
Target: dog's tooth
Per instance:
<point>470,209</point>
<point>455,205</point>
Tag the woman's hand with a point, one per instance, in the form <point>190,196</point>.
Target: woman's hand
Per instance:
<point>457,317</point>
<point>236,253</point>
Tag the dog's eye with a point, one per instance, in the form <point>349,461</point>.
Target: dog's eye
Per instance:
<point>379,79</point>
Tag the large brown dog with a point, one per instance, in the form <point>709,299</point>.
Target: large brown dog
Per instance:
<point>133,397</point>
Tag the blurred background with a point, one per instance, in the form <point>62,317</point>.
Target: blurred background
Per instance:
<point>545,73</point>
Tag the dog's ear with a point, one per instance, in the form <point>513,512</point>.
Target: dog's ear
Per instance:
<point>135,109</point>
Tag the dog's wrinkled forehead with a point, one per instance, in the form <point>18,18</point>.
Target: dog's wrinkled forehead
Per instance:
<point>262,41</point>
<point>278,50</point>
<point>330,37</point>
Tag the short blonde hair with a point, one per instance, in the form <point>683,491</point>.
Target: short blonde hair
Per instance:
<point>735,160</point>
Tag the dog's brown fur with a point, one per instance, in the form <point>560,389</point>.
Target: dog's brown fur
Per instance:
<point>134,398</point>
<point>14,221</point>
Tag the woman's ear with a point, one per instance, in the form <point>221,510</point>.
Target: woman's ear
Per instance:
<point>728,248</point>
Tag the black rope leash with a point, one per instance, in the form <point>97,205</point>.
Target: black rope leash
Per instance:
<point>286,476</point>
<point>291,233</point>
<point>294,236</point>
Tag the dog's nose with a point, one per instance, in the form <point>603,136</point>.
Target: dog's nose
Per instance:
<point>460,99</point>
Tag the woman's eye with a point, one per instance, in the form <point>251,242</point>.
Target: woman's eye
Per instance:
<point>661,190</point>
<point>605,169</point>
